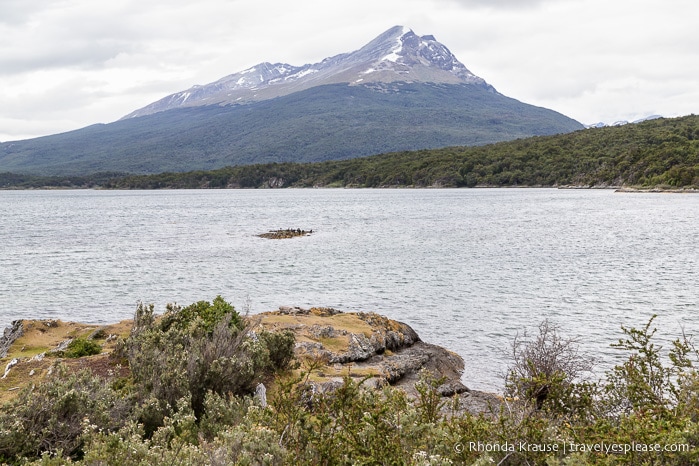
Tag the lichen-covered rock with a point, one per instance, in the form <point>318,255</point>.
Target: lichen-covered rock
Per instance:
<point>360,349</point>
<point>371,346</point>
<point>325,331</point>
<point>389,334</point>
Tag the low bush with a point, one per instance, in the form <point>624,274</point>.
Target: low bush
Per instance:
<point>198,349</point>
<point>80,347</point>
<point>52,416</point>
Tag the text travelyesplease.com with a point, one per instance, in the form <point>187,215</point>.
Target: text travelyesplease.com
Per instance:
<point>570,447</point>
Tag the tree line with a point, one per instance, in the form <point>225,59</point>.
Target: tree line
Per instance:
<point>661,153</point>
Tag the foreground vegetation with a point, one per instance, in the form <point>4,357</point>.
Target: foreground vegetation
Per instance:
<point>662,153</point>
<point>187,399</point>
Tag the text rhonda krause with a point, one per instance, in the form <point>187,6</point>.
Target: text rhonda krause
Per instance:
<point>571,447</point>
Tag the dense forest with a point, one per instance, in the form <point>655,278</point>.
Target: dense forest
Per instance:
<point>662,153</point>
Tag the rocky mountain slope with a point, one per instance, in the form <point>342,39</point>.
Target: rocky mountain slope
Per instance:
<point>397,55</point>
<point>399,92</point>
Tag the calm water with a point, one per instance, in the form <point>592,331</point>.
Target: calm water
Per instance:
<point>467,269</point>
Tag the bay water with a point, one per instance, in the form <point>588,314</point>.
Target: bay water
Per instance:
<point>468,269</point>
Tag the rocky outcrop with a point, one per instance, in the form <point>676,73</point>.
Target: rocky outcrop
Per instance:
<point>375,350</point>
<point>11,333</point>
<point>365,345</point>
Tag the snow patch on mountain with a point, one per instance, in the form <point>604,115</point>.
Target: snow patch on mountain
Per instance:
<point>396,55</point>
<point>602,124</point>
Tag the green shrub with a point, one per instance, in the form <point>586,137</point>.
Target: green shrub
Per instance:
<point>644,380</point>
<point>51,417</point>
<point>80,347</point>
<point>203,314</point>
<point>281,348</point>
<point>171,444</point>
<point>198,349</point>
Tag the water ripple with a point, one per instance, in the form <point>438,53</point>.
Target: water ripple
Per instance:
<point>468,269</point>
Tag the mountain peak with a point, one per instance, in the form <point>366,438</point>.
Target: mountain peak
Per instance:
<point>420,52</point>
<point>397,55</point>
<point>414,58</point>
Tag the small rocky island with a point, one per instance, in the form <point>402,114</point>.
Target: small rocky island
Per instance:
<point>284,234</point>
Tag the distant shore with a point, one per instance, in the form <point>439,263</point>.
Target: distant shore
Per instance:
<point>658,190</point>
<point>617,189</point>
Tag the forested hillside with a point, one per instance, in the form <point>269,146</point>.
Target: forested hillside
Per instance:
<point>333,122</point>
<point>658,153</point>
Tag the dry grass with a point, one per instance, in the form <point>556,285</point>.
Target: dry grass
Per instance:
<point>41,336</point>
<point>303,326</point>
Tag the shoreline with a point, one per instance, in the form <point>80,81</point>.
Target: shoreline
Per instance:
<point>656,190</point>
<point>366,346</point>
<point>616,189</point>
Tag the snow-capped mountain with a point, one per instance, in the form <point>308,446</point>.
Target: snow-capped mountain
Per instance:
<point>602,124</point>
<point>396,55</point>
<point>400,92</point>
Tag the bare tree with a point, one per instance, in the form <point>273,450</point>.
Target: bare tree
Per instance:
<point>545,365</point>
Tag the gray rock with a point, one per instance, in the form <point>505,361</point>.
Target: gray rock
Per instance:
<point>388,352</point>
<point>288,310</point>
<point>327,331</point>
<point>261,394</point>
<point>62,346</point>
<point>360,349</point>
<point>452,388</point>
<point>9,366</point>
<point>9,336</point>
<point>475,402</point>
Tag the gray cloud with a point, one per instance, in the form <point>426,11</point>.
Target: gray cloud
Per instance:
<point>58,36</point>
<point>107,59</point>
<point>20,11</point>
<point>84,54</point>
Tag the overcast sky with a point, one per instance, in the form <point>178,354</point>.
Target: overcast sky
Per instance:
<point>66,64</point>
